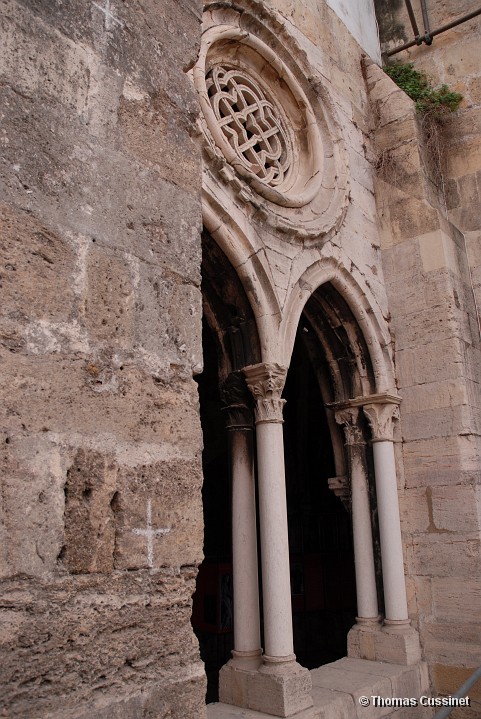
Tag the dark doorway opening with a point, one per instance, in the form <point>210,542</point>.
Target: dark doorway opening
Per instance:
<point>212,602</point>
<point>230,342</point>
<point>320,530</point>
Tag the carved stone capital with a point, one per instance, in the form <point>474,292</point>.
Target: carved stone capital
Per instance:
<point>266,382</point>
<point>348,417</point>
<point>381,416</point>
<point>236,402</point>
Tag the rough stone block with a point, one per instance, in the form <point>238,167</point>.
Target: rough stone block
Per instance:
<point>33,474</point>
<point>454,641</point>
<point>158,515</point>
<point>361,642</point>
<point>411,218</point>
<point>37,266</point>
<point>168,312</point>
<point>414,511</point>
<point>455,509</point>
<point>86,631</point>
<point>442,553</point>
<point>466,216</point>
<point>89,514</point>
<point>401,262</point>
<point>435,395</point>
<point>443,422</point>
<point>398,647</point>
<point>454,599</point>
<point>461,58</point>
<point>441,461</point>
<point>430,363</point>
<point>156,133</point>
<point>110,302</point>
<point>463,158</point>
<point>282,690</point>
<point>233,685</point>
<point>332,704</point>
<point>448,679</point>
<point>42,60</point>
<point>422,595</point>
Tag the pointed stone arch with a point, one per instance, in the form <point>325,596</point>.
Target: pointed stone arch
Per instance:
<point>360,302</point>
<point>243,254</point>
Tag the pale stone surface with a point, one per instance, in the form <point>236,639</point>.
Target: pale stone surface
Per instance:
<point>394,644</point>
<point>436,344</point>
<point>338,686</point>
<point>453,643</point>
<point>283,690</point>
<point>100,328</point>
<point>100,331</point>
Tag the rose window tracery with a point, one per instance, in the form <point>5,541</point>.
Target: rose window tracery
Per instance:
<point>271,134</point>
<point>251,124</point>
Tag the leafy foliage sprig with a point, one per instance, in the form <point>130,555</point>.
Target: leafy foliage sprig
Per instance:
<point>436,101</point>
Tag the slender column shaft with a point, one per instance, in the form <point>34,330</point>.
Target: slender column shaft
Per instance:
<point>390,532</point>
<point>247,636</point>
<point>274,541</point>
<point>237,406</point>
<point>380,415</point>
<point>367,607</point>
<point>266,382</point>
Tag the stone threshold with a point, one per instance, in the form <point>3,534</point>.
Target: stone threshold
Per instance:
<point>337,687</point>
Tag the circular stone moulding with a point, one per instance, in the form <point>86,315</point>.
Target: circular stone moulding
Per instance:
<point>258,120</point>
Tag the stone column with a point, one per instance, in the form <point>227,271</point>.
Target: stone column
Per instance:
<point>239,423</point>
<point>367,607</point>
<point>283,687</point>
<point>398,642</point>
<point>380,415</point>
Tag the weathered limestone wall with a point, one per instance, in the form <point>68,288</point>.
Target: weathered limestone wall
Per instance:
<point>440,248</point>
<point>100,336</point>
<point>438,368</point>
<point>453,58</point>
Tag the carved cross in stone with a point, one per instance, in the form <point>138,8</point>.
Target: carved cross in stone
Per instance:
<point>110,19</point>
<point>149,533</point>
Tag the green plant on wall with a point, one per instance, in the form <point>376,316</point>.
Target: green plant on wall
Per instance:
<point>416,84</point>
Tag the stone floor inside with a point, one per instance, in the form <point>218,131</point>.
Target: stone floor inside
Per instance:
<point>338,687</point>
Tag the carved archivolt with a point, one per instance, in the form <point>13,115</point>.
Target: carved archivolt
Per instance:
<point>264,137</point>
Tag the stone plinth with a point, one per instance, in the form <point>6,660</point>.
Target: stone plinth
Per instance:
<point>395,644</point>
<point>337,688</point>
<point>281,690</point>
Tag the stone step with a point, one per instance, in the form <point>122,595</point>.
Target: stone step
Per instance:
<point>337,688</point>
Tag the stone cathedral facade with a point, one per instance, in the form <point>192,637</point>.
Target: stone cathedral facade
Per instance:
<point>240,359</point>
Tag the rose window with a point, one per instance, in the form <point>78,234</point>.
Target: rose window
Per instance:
<point>268,129</point>
<point>250,123</point>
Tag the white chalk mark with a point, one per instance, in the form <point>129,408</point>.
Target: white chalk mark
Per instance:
<point>149,533</point>
<point>110,19</point>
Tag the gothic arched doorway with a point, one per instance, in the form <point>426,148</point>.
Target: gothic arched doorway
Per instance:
<point>230,342</point>
<point>329,365</point>
<point>320,531</point>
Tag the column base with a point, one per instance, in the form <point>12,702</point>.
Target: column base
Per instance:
<point>361,638</point>
<point>234,678</point>
<point>281,689</point>
<point>395,642</point>
<point>246,660</point>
